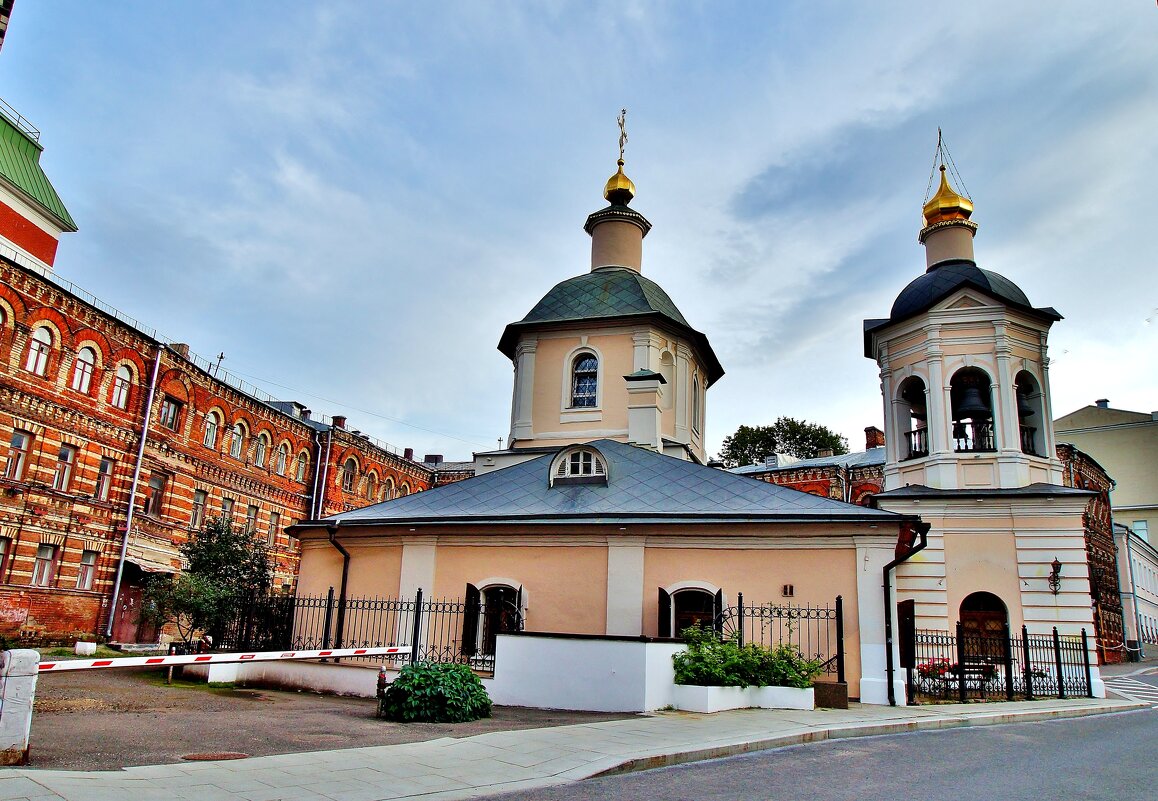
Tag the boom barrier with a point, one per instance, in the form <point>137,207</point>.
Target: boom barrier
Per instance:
<point>214,659</point>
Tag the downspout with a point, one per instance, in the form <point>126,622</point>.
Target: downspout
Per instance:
<point>333,532</point>
<point>922,530</point>
<point>133,490</point>
<point>324,471</point>
<point>1134,598</point>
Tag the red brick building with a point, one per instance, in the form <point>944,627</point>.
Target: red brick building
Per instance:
<point>117,445</point>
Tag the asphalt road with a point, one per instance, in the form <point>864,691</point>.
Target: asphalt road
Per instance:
<point>1103,757</point>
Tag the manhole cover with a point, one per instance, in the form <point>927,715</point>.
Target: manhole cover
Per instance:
<point>212,757</point>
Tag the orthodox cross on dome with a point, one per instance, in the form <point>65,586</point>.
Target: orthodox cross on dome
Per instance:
<point>943,160</point>
<point>622,131</point>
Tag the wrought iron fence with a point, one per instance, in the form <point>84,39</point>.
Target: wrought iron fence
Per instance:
<point>436,629</point>
<point>965,666</point>
<point>817,631</point>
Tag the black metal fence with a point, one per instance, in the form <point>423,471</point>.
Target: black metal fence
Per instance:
<point>817,631</point>
<point>436,630</point>
<point>966,666</point>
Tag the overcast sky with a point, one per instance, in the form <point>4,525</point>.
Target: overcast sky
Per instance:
<point>351,199</point>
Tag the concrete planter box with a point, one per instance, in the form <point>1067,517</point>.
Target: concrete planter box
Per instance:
<point>783,698</point>
<point>691,698</point>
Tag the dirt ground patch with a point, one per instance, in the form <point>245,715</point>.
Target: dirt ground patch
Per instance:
<point>109,719</point>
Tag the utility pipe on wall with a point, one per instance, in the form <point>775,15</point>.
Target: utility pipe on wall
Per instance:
<point>333,533</point>
<point>922,530</point>
<point>133,490</point>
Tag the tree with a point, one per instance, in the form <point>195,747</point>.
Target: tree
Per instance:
<point>799,438</point>
<point>227,570</point>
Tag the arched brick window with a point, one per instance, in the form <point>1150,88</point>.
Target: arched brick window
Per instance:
<point>282,458</point>
<point>349,472</point>
<point>39,347</point>
<point>121,384</point>
<point>260,449</point>
<point>237,443</point>
<point>83,369</point>
<point>212,423</point>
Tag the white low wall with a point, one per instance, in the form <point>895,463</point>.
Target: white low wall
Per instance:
<point>18,672</point>
<point>598,674</point>
<point>343,678</point>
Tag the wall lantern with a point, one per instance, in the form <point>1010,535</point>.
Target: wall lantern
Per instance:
<point>1055,576</point>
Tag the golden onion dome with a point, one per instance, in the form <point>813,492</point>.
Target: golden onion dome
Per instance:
<point>619,188</point>
<point>946,204</point>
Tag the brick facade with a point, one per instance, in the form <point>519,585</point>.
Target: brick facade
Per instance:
<point>71,431</point>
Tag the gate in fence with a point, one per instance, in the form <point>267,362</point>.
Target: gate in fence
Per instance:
<point>436,630</point>
<point>817,631</point>
<point>965,666</point>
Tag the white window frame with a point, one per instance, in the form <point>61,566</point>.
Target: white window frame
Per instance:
<point>282,458</point>
<point>122,383</point>
<point>44,567</point>
<point>82,370</point>
<point>104,479</point>
<point>260,450</point>
<point>65,462</point>
<point>237,442</point>
<point>197,511</point>
<point>18,455</point>
<point>212,423</point>
<point>39,348</point>
<point>86,570</point>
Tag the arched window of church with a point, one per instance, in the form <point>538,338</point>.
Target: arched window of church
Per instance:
<point>697,424</point>
<point>582,465</point>
<point>82,370</point>
<point>584,381</point>
<point>1029,413</point>
<point>972,411</point>
<point>913,417</point>
<point>38,349</point>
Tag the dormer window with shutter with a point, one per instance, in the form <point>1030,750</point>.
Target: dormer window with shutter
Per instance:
<point>579,466</point>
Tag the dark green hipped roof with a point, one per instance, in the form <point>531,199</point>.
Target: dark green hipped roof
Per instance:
<point>609,293</point>
<point>20,165</point>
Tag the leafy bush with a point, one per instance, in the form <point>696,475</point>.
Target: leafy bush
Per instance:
<point>713,662</point>
<point>436,693</point>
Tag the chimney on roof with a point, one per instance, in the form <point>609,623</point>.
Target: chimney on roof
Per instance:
<point>432,458</point>
<point>339,421</point>
<point>824,453</point>
<point>408,454</point>
<point>180,348</point>
<point>1103,403</point>
<point>873,438</point>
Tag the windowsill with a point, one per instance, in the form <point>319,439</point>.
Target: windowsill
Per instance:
<point>581,414</point>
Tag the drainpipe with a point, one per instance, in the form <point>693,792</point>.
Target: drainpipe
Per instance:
<point>1134,595</point>
<point>322,470</point>
<point>333,532</point>
<point>922,530</point>
<point>133,491</point>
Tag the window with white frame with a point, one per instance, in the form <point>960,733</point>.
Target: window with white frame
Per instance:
<point>371,486</point>
<point>584,381</point>
<point>250,519</point>
<point>579,466</point>
<point>121,384</point>
<point>86,570</point>
<point>260,449</point>
<point>1142,529</point>
<point>282,458</point>
<point>44,568</point>
<point>18,451</point>
<point>274,528</point>
<point>65,461</point>
<point>197,516</point>
<point>349,473</point>
<point>300,470</point>
<point>82,370</point>
<point>170,415</point>
<point>237,443</point>
<point>104,478</point>
<point>212,423</point>
<point>39,346</point>
<point>227,510</point>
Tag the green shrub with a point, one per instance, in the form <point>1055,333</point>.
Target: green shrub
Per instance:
<point>434,692</point>
<point>713,662</point>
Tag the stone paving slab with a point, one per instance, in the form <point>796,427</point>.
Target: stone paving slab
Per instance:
<point>447,769</point>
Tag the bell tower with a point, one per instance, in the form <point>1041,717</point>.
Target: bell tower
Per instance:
<point>964,367</point>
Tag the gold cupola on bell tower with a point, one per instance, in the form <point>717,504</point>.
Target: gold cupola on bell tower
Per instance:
<point>616,231</point>
<point>948,232</point>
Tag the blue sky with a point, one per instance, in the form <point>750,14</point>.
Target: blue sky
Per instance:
<point>351,199</point>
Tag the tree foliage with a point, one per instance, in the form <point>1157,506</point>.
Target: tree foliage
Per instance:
<point>226,570</point>
<point>799,438</point>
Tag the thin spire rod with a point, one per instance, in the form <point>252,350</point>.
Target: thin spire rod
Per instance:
<point>942,157</point>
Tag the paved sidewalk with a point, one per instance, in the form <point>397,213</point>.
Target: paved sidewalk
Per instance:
<point>446,769</point>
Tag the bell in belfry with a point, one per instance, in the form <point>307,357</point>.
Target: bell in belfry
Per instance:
<point>973,406</point>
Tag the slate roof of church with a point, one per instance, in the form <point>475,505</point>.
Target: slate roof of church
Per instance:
<point>642,486</point>
<point>608,293</point>
<point>869,458</point>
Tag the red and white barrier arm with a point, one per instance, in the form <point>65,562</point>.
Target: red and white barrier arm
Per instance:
<point>211,659</point>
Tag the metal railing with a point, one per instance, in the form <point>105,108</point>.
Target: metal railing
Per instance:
<point>816,631</point>
<point>965,666</point>
<point>974,436</point>
<point>436,629</point>
<point>917,442</point>
<point>1027,436</point>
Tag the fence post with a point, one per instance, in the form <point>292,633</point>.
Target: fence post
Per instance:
<point>1008,663</point>
<point>840,639</point>
<point>1086,661</point>
<point>328,620</point>
<point>1061,679</point>
<point>960,663</point>
<point>1028,663</point>
<point>417,628</point>
<point>740,615</point>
